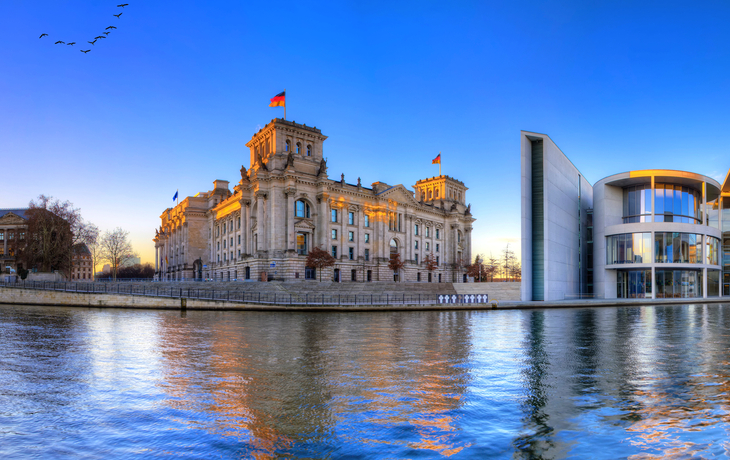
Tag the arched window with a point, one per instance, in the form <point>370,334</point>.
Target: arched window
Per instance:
<point>299,148</point>
<point>437,193</point>
<point>301,209</point>
<point>309,150</point>
<point>430,194</point>
<point>288,145</point>
<point>393,246</point>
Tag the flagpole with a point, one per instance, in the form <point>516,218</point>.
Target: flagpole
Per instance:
<point>439,164</point>
<point>284,103</point>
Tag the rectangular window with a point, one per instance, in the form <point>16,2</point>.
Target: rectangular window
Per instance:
<point>437,262</point>
<point>415,230</point>
<point>437,247</point>
<point>437,234</point>
<point>334,233</point>
<point>367,254</point>
<point>428,232</point>
<point>302,243</point>
<point>367,220</point>
<point>351,218</point>
<point>351,253</point>
<point>334,215</point>
<point>224,244</point>
<point>334,251</point>
<point>350,236</point>
<point>231,242</point>
<point>416,258</point>
<point>428,246</point>
<point>367,237</point>
<point>416,243</point>
<point>2,236</point>
<point>239,239</point>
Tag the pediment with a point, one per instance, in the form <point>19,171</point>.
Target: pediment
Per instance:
<point>11,218</point>
<point>304,224</point>
<point>399,194</point>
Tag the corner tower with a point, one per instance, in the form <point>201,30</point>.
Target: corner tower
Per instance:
<point>271,145</point>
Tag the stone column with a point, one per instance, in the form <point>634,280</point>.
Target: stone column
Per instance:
<point>290,214</point>
<point>259,220</point>
<point>246,226</point>
<point>156,257</point>
<point>704,280</point>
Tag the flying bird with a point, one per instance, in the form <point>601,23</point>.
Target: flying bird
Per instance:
<point>84,51</point>
<point>106,33</point>
<point>110,27</point>
<point>96,38</point>
<point>63,43</point>
<point>93,41</point>
<point>72,43</point>
<point>117,15</point>
<point>43,35</point>
<point>122,5</point>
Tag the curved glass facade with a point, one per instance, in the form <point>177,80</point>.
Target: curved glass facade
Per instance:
<point>628,248</point>
<point>678,248</point>
<point>632,284</point>
<point>637,204</point>
<point>673,203</point>
<point>677,203</point>
<point>678,283</point>
<point>713,250</point>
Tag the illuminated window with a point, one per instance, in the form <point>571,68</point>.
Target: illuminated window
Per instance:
<point>309,150</point>
<point>302,243</point>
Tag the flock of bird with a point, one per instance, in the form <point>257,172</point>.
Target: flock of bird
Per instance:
<point>106,32</point>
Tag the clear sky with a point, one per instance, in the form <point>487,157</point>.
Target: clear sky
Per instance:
<point>168,100</point>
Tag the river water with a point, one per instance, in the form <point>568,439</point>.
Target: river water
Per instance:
<point>650,382</point>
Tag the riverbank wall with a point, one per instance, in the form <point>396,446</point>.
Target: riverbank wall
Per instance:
<point>20,296</point>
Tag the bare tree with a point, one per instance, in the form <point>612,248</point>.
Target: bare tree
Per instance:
<point>319,259</point>
<point>49,234</point>
<point>83,233</point>
<point>430,262</point>
<point>116,249</point>
<point>492,266</point>
<point>95,250</point>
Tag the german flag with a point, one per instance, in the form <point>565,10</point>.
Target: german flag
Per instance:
<point>278,100</point>
<point>435,160</point>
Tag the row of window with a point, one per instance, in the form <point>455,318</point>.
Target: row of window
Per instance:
<point>221,228</point>
<point>298,148</point>
<point>11,235</point>
<point>335,217</point>
<point>669,247</point>
<point>366,254</point>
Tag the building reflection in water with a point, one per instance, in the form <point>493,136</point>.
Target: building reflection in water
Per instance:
<point>289,383</point>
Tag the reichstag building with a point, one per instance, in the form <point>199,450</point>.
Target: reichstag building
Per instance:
<point>285,204</point>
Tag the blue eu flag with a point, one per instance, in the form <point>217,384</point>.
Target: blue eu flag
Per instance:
<point>174,197</point>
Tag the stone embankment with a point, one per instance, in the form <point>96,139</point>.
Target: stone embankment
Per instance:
<point>256,295</point>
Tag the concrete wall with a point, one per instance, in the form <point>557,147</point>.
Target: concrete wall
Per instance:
<point>567,197</point>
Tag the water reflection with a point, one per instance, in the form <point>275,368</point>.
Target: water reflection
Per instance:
<point>602,383</point>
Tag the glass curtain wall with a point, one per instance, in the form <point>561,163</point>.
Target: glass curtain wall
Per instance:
<point>632,284</point>
<point>677,203</point>
<point>713,250</point>
<point>628,248</point>
<point>678,283</point>
<point>678,248</point>
<point>713,283</point>
<point>637,204</point>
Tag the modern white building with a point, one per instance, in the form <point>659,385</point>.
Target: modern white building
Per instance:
<point>647,234</point>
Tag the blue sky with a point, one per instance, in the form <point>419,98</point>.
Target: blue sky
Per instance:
<point>169,99</point>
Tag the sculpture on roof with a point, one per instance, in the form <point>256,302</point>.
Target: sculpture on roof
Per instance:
<point>260,162</point>
<point>468,210</point>
<point>322,167</point>
<point>244,174</point>
<point>290,160</point>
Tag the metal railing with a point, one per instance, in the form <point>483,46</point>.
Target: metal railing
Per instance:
<point>268,298</point>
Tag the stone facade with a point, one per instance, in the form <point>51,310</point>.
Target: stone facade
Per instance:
<point>82,268</point>
<point>286,204</point>
<point>12,237</point>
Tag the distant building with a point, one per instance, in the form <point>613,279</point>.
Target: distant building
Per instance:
<point>83,267</point>
<point>132,261</point>
<point>638,234</point>
<point>286,204</point>
<point>13,225</point>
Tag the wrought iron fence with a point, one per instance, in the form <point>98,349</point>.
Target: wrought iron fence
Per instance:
<point>269,298</point>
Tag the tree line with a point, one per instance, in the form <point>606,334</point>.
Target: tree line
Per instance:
<point>55,231</point>
<point>488,269</point>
